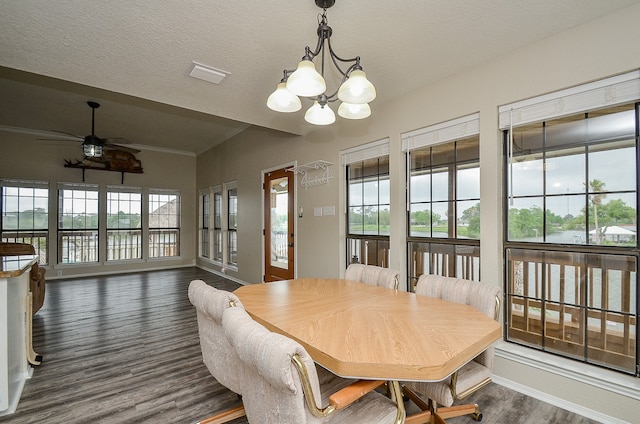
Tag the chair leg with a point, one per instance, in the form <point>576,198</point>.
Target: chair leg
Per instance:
<point>433,414</point>
<point>459,410</point>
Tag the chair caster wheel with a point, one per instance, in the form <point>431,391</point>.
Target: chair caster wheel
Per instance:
<point>477,416</point>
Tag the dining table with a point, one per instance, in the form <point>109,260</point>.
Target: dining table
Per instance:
<point>361,331</point>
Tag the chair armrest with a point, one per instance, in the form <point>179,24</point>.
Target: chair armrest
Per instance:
<point>341,399</point>
<point>345,397</point>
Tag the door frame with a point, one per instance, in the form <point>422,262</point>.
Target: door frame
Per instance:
<point>295,217</point>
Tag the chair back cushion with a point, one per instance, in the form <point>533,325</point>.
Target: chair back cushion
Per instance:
<point>271,388</point>
<point>481,296</point>
<point>371,274</point>
<point>217,354</point>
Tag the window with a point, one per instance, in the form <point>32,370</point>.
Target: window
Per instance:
<point>217,224</point>
<point>368,203</point>
<point>77,223</point>
<point>204,223</point>
<point>232,225</point>
<point>164,223</point>
<point>571,244</point>
<point>124,230</point>
<point>444,199</point>
<point>25,215</point>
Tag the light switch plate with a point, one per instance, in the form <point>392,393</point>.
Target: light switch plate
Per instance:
<point>328,210</point>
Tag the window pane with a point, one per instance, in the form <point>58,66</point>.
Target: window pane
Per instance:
<point>368,197</point>
<point>368,212</point>
<point>566,172</point>
<point>164,224</point>
<point>420,220</point>
<point>420,187</point>
<point>526,172</point>
<point>370,191</point>
<point>78,225</point>
<point>468,183</point>
<point>614,216</point>
<point>468,219</point>
<point>440,185</point>
<point>124,234</point>
<point>440,219</point>
<point>355,194</point>
<point>217,225</point>
<point>615,168</point>
<point>581,304</point>
<point>384,218</point>
<point>445,204</point>
<point>525,219</point>
<point>25,216</point>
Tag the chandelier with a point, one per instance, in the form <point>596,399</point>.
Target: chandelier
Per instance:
<point>355,91</point>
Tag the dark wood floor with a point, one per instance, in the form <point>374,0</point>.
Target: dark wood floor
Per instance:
<point>125,349</point>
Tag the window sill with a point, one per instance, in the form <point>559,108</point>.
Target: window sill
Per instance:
<point>611,381</point>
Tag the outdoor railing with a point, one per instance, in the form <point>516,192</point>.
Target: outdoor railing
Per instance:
<point>582,305</point>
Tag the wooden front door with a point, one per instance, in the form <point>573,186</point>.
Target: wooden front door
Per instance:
<point>279,215</point>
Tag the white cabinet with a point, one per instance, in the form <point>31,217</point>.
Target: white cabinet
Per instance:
<point>14,366</point>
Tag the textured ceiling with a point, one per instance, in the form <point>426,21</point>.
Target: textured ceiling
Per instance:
<point>134,57</point>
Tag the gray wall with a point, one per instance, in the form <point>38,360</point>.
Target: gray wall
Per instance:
<point>599,49</point>
<point>21,157</point>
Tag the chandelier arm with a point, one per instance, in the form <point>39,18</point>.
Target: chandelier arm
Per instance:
<point>287,73</point>
<point>334,54</point>
<point>319,46</point>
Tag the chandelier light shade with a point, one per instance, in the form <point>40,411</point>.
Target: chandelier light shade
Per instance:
<point>320,114</point>
<point>355,91</point>
<point>283,100</point>
<point>354,111</point>
<point>306,81</point>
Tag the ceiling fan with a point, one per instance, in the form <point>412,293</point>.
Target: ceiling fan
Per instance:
<point>92,145</point>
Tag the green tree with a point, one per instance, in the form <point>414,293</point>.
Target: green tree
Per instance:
<point>472,217</point>
<point>525,223</point>
<point>595,200</point>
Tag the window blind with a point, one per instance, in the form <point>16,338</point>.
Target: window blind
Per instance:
<point>24,183</point>
<point>455,129</point>
<point>612,91</point>
<point>371,150</point>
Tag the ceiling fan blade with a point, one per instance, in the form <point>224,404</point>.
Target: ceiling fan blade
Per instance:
<point>123,148</point>
<point>118,140</point>
<point>50,135</point>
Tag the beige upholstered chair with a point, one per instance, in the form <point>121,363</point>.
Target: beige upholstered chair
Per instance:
<point>280,384</point>
<point>219,357</point>
<point>374,275</point>
<point>472,376</point>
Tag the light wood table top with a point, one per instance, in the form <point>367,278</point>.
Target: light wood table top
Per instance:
<point>361,331</point>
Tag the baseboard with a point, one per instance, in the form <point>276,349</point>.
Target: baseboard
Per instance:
<point>222,274</point>
<point>591,378</point>
<point>555,401</point>
<point>601,378</point>
<point>53,277</point>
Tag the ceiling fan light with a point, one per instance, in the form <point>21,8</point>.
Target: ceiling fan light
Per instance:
<point>354,111</point>
<point>320,115</point>
<point>283,100</point>
<point>357,88</point>
<point>306,81</point>
<point>92,150</point>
